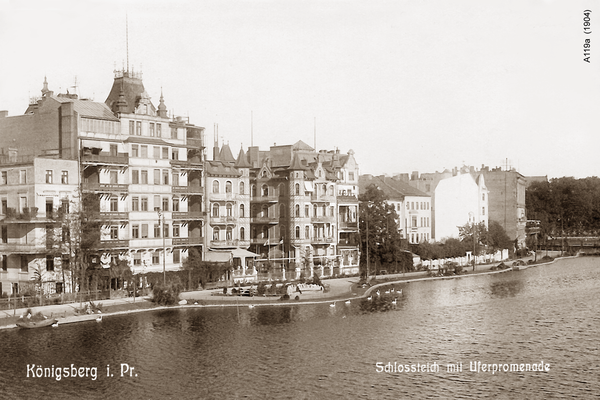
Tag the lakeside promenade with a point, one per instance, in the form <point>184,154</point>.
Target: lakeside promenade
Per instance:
<point>339,289</point>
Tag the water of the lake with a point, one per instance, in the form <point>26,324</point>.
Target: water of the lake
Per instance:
<point>546,314</point>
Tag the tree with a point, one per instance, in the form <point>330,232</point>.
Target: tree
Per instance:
<point>379,231</point>
<point>473,236</point>
<point>497,237</point>
<point>202,272</point>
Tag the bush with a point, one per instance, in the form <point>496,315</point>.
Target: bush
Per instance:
<point>285,297</point>
<point>261,289</point>
<point>166,295</point>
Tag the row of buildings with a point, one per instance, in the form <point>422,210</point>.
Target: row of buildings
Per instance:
<point>289,209</point>
<point>431,206</point>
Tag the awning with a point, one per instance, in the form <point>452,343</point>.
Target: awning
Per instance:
<point>308,186</point>
<point>218,256</point>
<point>242,253</point>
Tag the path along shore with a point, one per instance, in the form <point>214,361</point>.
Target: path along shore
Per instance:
<point>340,289</point>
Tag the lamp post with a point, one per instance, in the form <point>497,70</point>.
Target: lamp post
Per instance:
<point>161,216</point>
<point>367,220</point>
<point>472,215</point>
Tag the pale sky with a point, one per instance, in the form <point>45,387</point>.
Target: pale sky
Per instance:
<point>408,85</point>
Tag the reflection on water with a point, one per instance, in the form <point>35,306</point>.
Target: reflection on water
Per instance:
<point>295,351</point>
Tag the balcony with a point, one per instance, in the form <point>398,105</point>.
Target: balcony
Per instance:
<point>322,198</point>
<point>348,225</point>
<point>188,241</point>
<point>222,220</point>
<point>347,199</point>
<point>189,190</point>
<point>187,164</point>
<point>261,241</point>
<point>188,215</point>
<point>322,220</point>
<point>221,196</point>
<point>264,220</point>
<point>322,240</point>
<point>114,244</point>
<point>121,159</point>
<point>95,187</point>
<point>114,216</point>
<point>265,199</point>
<point>225,243</point>
<point>23,248</point>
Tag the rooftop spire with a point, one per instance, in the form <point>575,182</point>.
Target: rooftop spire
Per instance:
<point>162,108</point>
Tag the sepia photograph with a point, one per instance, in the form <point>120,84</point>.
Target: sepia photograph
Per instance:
<point>299,199</point>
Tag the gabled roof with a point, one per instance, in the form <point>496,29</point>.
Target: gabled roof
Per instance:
<point>393,188</point>
<point>300,145</point>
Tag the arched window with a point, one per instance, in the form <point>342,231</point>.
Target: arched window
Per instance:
<point>297,210</point>
<point>242,187</point>
<point>307,231</point>
<point>265,232</point>
<point>265,211</point>
<point>216,233</point>
<point>253,189</point>
<point>215,209</point>
<point>331,190</point>
<point>228,233</point>
<point>297,232</point>
<point>215,186</point>
<point>265,190</point>
<point>229,209</point>
<point>297,189</point>
<point>241,211</point>
<point>242,233</point>
<point>281,211</point>
<point>228,187</point>
<point>315,212</point>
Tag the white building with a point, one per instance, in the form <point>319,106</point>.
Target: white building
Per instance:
<point>459,200</point>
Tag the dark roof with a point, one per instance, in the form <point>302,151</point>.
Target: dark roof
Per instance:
<point>132,89</point>
<point>214,168</point>
<point>393,188</point>
<point>242,160</point>
<point>225,155</point>
<point>88,109</point>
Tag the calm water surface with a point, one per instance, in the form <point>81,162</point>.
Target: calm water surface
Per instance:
<point>547,313</point>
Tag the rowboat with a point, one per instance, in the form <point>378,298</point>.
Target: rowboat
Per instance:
<point>36,324</point>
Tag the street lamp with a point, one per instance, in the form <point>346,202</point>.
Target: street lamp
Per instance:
<point>472,215</point>
<point>162,228</point>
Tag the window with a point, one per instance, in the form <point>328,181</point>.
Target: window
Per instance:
<point>137,259</point>
<point>144,231</point>
<point>151,129</point>
<point>166,230</point>
<point>4,262</point>
<point>173,132</point>
<point>24,263</point>
<point>307,231</point>
<point>114,232</point>
<point>297,186</point>
<point>297,232</point>
<point>138,128</point>
<point>156,202</point>
<point>155,257</point>
<point>253,191</point>
<point>135,176</point>
<point>215,186</point>
<point>144,203</point>
<point>22,203</point>
<point>114,204</point>
<point>159,130</point>
<point>22,176</point>
<point>242,211</point>
<point>165,204</point>
<point>4,178</point>
<point>131,127</point>
<point>228,233</point>
<point>135,204</point>
<point>229,209</point>
<point>165,176</point>
<point>216,233</point>
<point>175,203</point>
<point>242,233</point>
<point>242,188</point>
<point>483,196</point>
<point>482,210</point>
<point>175,154</point>
<point>156,152</point>
<point>414,221</point>
<point>49,263</point>
<point>144,151</point>
<point>315,210</point>
<point>114,177</point>
<point>265,190</point>
<point>135,231</point>
<point>265,211</point>
<point>176,255</point>
<point>215,210</point>
<point>175,179</point>
<point>297,210</point>
<point>135,150</point>
<point>157,176</point>
<point>64,177</point>
<point>64,206</point>
<point>351,176</point>
<point>113,150</point>
<point>307,210</point>
<point>228,188</point>
<point>176,230</point>
<point>282,211</point>
<point>144,174</point>
<point>156,230</point>
<point>165,153</point>
<point>48,176</point>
